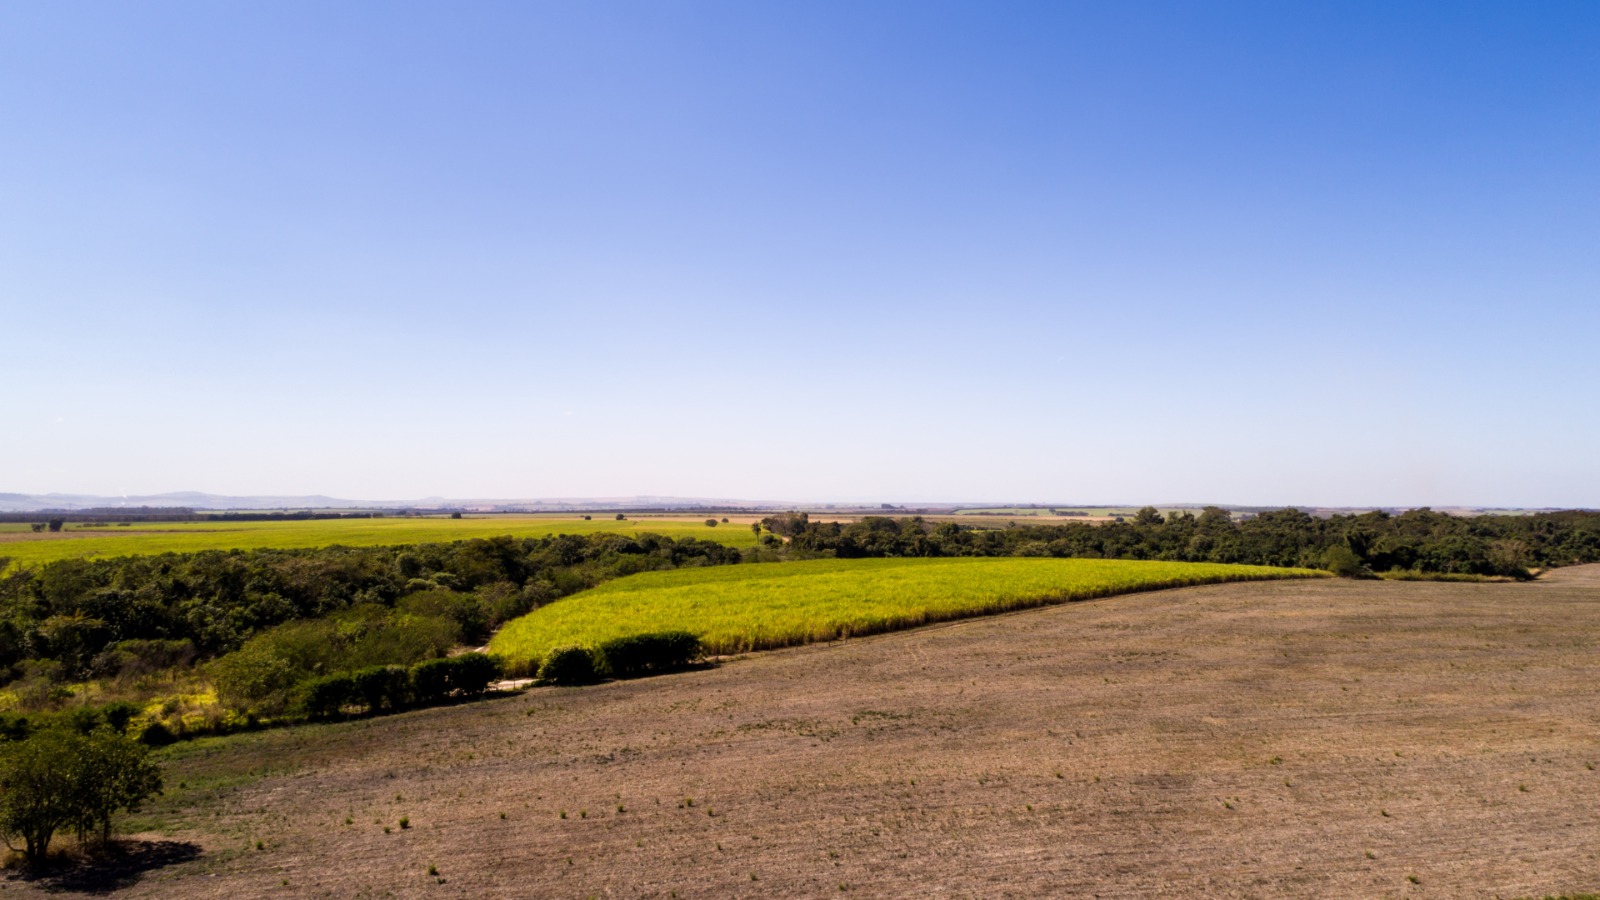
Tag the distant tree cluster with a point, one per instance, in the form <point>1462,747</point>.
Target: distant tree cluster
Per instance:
<point>275,619</point>
<point>1420,540</point>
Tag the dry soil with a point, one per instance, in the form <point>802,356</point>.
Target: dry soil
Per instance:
<point>1309,739</point>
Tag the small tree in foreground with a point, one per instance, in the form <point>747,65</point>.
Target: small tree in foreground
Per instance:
<point>116,774</point>
<point>59,778</point>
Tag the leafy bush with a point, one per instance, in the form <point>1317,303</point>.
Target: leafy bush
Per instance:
<point>649,654</point>
<point>255,679</point>
<point>156,734</point>
<point>468,675</point>
<point>119,714</point>
<point>382,687</point>
<point>569,666</point>
<point>472,673</point>
<point>1343,562</point>
<point>431,681</point>
<point>15,726</point>
<point>326,697</point>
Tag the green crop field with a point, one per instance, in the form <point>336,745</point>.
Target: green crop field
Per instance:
<point>189,537</point>
<point>751,607</point>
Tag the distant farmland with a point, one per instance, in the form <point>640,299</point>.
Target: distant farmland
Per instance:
<point>1067,512</point>
<point>738,608</point>
<point>76,542</point>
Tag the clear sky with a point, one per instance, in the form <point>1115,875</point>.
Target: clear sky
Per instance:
<point>1318,253</point>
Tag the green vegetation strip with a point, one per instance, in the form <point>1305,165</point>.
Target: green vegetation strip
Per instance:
<point>752,607</point>
<point>144,539</point>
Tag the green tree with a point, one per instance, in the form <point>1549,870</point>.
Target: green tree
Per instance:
<point>255,679</point>
<point>1343,562</point>
<point>116,774</point>
<point>59,778</point>
<point>37,790</point>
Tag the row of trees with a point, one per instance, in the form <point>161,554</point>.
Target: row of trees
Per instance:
<point>1418,540</point>
<point>389,688</point>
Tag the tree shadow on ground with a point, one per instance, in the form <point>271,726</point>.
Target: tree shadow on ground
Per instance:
<point>116,867</point>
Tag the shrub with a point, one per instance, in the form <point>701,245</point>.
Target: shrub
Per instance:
<point>431,681</point>
<point>326,697</point>
<point>382,687</point>
<point>472,673</point>
<point>711,523</point>
<point>469,674</point>
<point>255,679</point>
<point>569,666</point>
<point>15,726</point>
<point>649,654</point>
<point>1343,562</point>
<point>156,734</point>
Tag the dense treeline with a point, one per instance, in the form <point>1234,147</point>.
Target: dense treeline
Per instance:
<point>77,619</point>
<point>1420,540</point>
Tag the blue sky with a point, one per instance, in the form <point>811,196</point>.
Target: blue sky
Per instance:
<point>1332,254</point>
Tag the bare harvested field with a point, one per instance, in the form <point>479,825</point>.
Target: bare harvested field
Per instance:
<point>1309,738</point>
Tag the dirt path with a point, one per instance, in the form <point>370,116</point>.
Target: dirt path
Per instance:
<point>1311,739</point>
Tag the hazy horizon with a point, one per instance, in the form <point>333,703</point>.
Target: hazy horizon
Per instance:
<point>1245,253</point>
<point>668,501</point>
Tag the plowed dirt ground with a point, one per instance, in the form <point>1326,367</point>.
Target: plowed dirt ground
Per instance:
<point>1308,739</point>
